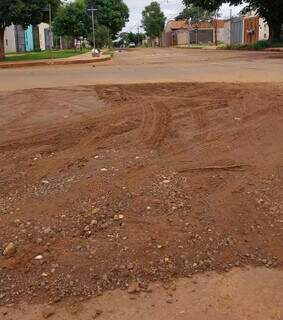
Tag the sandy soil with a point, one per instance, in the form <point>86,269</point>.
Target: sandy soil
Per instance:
<point>237,295</point>
<point>111,187</point>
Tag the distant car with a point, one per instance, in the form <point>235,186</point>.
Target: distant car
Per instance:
<point>132,45</point>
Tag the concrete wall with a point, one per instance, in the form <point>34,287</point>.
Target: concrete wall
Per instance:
<point>29,39</point>
<point>41,28</point>
<point>263,30</point>
<point>221,35</point>
<point>227,32</point>
<point>9,39</point>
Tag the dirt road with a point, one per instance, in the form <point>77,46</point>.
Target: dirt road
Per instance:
<point>154,66</point>
<point>116,187</point>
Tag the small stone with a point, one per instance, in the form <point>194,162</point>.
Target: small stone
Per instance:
<point>93,222</point>
<point>166,181</point>
<point>131,266</point>
<point>39,241</point>
<point>118,217</point>
<point>169,300</point>
<point>9,250</point>
<point>98,312</point>
<point>48,312</point>
<point>47,230</point>
<point>39,257</point>
<point>133,288</point>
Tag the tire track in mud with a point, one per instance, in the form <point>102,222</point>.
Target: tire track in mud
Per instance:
<point>156,119</point>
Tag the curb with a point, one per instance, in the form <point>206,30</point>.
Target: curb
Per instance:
<point>53,63</point>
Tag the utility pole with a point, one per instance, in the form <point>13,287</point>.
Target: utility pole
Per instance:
<point>230,26</point>
<point>50,32</point>
<point>92,9</point>
<point>216,27</point>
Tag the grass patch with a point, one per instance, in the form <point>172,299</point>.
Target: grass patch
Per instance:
<point>260,45</point>
<point>43,55</point>
<point>108,51</point>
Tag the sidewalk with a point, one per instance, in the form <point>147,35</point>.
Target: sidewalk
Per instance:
<point>80,59</point>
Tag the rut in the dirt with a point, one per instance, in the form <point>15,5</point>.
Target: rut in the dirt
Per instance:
<point>108,185</point>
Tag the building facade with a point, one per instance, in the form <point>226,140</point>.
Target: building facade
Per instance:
<point>9,39</point>
<point>33,38</point>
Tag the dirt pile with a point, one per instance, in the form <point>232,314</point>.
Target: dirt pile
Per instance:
<point>102,187</point>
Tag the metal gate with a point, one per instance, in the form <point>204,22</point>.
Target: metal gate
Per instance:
<point>46,37</point>
<point>20,38</point>
<point>201,36</point>
<point>36,42</point>
<point>237,31</point>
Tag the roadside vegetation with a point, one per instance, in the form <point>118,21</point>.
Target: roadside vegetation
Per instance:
<point>259,45</point>
<point>71,20</point>
<point>43,55</point>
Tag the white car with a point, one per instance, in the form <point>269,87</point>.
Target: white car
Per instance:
<point>132,45</point>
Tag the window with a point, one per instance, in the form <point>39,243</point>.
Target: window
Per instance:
<point>6,42</point>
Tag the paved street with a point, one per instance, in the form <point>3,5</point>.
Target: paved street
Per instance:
<point>154,65</point>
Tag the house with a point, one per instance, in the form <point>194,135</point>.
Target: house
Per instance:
<point>176,33</point>
<point>207,31</point>
<point>183,33</point>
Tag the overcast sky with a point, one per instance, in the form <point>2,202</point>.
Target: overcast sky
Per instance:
<point>170,7</point>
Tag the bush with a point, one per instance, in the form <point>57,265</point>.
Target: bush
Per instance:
<point>259,45</point>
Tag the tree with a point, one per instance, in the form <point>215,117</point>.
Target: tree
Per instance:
<point>72,20</point>
<point>137,38</point>
<point>195,14</point>
<point>112,14</point>
<point>270,10</point>
<point>102,37</point>
<point>153,20</point>
<point>24,12</point>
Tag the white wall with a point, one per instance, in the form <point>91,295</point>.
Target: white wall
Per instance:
<point>41,28</point>
<point>227,32</point>
<point>9,39</point>
<point>263,30</point>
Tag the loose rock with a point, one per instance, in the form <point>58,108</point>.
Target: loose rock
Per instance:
<point>9,250</point>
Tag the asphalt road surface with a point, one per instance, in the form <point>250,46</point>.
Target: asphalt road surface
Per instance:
<point>154,65</point>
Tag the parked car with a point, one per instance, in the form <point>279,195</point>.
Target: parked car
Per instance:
<point>132,45</point>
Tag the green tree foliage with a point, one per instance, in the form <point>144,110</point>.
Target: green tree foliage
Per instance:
<point>112,14</point>
<point>102,37</point>
<point>24,12</point>
<point>153,19</point>
<point>72,20</point>
<point>270,10</point>
<point>195,14</point>
<point>137,38</point>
